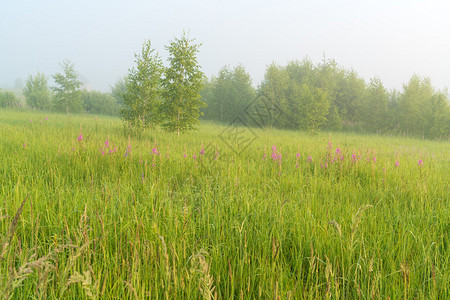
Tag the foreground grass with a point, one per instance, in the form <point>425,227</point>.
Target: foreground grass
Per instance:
<point>152,216</point>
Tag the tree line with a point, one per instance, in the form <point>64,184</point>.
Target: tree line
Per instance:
<point>66,95</point>
<point>311,97</point>
<point>300,95</point>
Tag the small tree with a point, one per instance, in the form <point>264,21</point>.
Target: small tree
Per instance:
<point>142,97</point>
<point>67,96</point>
<point>182,84</point>
<point>37,93</point>
<point>316,106</point>
<point>376,106</point>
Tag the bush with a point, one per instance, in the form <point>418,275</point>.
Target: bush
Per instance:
<point>8,99</point>
<point>96,102</point>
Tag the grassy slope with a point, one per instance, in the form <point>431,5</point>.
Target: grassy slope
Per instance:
<point>144,224</point>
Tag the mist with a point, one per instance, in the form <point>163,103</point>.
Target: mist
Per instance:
<point>391,40</point>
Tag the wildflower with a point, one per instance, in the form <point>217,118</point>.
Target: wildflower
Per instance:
<point>46,119</point>
<point>24,145</point>
<point>338,151</point>
<point>155,151</point>
<point>420,163</point>
<point>309,159</point>
<point>31,121</point>
<point>80,137</point>
<point>106,144</point>
<point>397,164</point>
<point>296,165</point>
<point>274,148</point>
<point>374,159</point>
<point>330,146</point>
<point>193,156</point>
<point>298,155</point>
<point>202,151</point>
<point>185,156</point>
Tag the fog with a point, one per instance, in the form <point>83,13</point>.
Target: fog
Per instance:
<point>391,39</point>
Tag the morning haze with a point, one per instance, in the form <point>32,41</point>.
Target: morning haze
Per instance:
<point>391,40</point>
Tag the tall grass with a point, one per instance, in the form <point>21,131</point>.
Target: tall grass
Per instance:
<point>143,218</point>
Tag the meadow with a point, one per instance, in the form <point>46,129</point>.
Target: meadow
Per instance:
<point>90,209</point>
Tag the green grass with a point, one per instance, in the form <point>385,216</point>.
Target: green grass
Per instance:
<point>232,225</point>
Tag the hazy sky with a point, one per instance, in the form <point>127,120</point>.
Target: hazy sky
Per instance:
<point>385,38</point>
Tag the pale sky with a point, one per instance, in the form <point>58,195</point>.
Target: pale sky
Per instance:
<point>389,39</point>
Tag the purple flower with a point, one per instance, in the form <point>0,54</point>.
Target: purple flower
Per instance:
<point>274,148</point>
<point>202,151</point>
<point>193,156</point>
<point>420,163</point>
<point>397,164</point>
<point>338,151</point>
<point>298,155</point>
<point>309,159</point>
<point>46,119</point>
<point>24,145</point>
<point>107,144</point>
<point>374,159</point>
<point>80,137</point>
<point>155,151</point>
